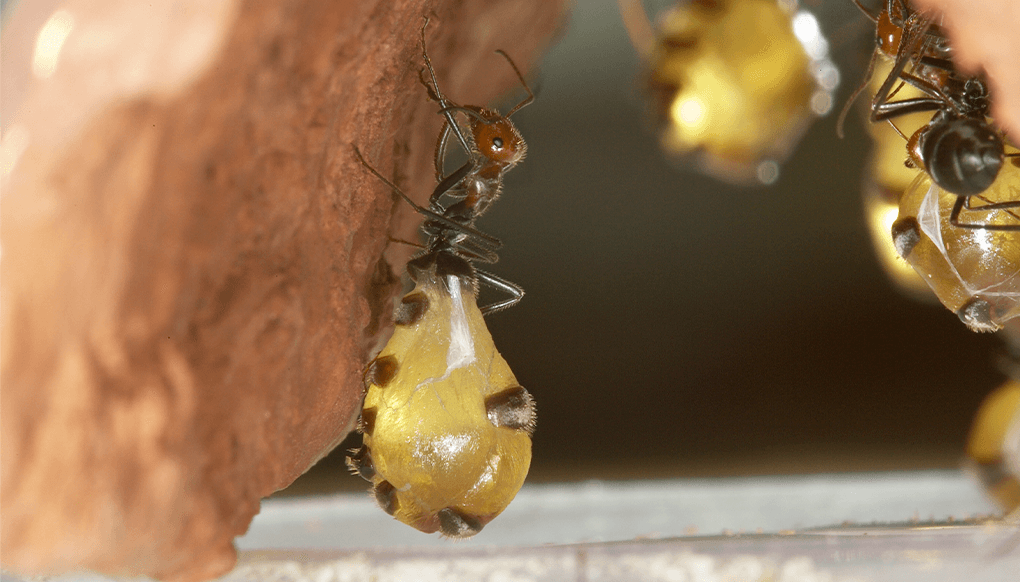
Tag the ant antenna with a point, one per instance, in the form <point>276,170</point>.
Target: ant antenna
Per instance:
<point>871,16</point>
<point>841,121</point>
<point>531,96</point>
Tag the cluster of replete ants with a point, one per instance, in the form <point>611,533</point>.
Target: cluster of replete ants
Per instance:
<point>733,85</point>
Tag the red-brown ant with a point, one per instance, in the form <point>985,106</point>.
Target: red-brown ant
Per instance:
<point>493,145</point>
<point>491,141</point>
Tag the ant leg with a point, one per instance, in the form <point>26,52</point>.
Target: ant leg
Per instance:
<point>910,42</point>
<point>444,134</point>
<point>1005,206</point>
<point>991,205</point>
<point>449,182</point>
<point>954,216</point>
<point>964,202</point>
<point>513,289</point>
<point>926,86</point>
<point>476,252</point>
<point>428,87</point>
<point>479,236</point>
<point>407,242</point>
<point>438,95</point>
<point>888,110</point>
<point>939,63</point>
<point>440,155</point>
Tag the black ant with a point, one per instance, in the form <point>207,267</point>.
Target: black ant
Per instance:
<point>495,145</point>
<point>958,148</point>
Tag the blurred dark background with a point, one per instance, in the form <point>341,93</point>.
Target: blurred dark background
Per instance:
<point>677,326</point>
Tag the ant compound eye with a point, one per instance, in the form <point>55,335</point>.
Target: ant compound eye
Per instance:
<point>963,156</point>
<point>501,140</point>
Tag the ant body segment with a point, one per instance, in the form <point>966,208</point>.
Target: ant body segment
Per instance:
<point>454,244</point>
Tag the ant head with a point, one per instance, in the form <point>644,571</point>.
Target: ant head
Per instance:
<point>497,138</point>
<point>962,155</point>
<point>888,35</point>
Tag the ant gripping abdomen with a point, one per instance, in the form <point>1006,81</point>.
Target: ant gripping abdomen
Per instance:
<point>958,148</point>
<point>951,198</point>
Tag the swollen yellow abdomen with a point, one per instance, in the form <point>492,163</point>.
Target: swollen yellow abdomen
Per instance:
<point>994,445</point>
<point>973,271</point>
<point>447,428</point>
<point>735,83</point>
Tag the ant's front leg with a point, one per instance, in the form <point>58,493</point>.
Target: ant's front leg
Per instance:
<point>889,110</point>
<point>449,183</point>
<point>436,95</point>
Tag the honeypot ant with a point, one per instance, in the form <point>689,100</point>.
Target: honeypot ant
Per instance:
<point>440,380</point>
<point>447,428</point>
<point>958,148</point>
